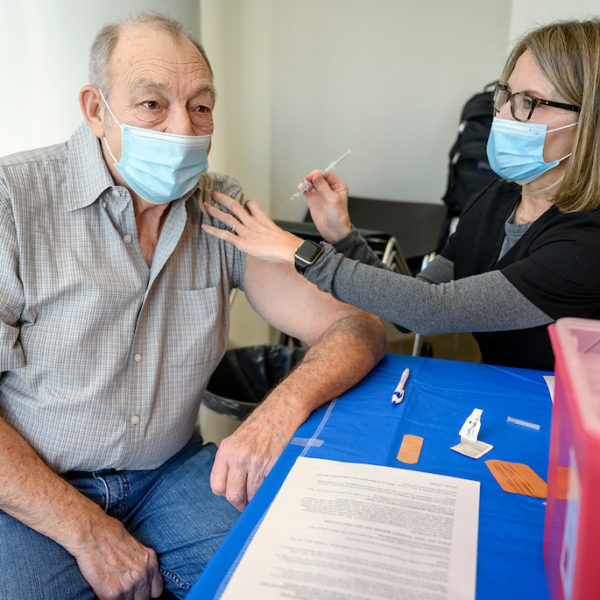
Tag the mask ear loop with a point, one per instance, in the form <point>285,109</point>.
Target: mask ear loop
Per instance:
<point>557,128</point>
<point>112,114</point>
<point>538,192</point>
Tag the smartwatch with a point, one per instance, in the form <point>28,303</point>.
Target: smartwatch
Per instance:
<point>306,254</point>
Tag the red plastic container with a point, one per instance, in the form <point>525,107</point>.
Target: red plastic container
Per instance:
<point>572,527</point>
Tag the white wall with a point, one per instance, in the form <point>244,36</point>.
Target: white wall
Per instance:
<point>300,81</point>
<point>44,46</point>
<point>238,41</point>
<point>386,78</point>
<point>237,38</point>
<point>528,14</point>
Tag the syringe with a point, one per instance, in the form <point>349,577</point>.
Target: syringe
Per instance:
<point>329,167</point>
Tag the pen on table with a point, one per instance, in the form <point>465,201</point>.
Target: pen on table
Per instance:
<point>398,394</point>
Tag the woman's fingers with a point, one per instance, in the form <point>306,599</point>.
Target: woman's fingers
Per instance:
<point>243,213</point>
<point>330,184</point>
<point>314,173</point>
<point>254,209</point>
<point>251,230</point>
<point>328,206</point>
<point>324,183</point>
<point>227,219</point>
<point>222,234</point>
<point>231,205</point>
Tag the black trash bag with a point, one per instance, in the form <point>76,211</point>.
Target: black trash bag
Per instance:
<point>245,376</point>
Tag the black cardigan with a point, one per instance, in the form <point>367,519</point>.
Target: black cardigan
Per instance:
<point>555,265</point>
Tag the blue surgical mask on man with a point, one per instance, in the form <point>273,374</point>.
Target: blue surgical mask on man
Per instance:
<point>160,167</point>
<point>515,150</point>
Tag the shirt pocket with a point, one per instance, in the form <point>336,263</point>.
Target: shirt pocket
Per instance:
<point>197,328</point>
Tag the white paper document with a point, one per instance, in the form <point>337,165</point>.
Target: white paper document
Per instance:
<point>355,532</point>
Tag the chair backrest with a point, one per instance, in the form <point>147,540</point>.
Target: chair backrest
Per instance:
<point>387,250</point>
<point>419,227</point>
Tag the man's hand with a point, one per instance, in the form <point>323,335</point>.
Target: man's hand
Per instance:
<point>116,565</point>
<point>245,458</point>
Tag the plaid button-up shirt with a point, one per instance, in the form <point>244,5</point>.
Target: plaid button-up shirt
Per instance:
<point>104,359</point>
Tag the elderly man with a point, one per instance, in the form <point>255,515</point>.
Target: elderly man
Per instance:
<point>113,315</point>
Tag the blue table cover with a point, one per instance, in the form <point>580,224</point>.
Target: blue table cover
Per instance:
<point>363,426</point>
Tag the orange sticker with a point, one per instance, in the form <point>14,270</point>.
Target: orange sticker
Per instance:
<point>518,478</point>
<point>410,449</point>
<point>562,482</point>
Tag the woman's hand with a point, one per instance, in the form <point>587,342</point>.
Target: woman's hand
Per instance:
<point>251,230</point>
<point>328,205</point>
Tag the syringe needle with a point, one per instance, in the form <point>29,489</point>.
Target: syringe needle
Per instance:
<point>335,163</point>
<point>330,167</point>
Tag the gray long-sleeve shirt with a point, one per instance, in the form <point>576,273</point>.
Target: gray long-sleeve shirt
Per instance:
<point>432,302</point>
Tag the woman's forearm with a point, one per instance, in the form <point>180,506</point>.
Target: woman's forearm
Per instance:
<point>486,302</point>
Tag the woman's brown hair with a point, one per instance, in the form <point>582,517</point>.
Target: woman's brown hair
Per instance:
<point>569,54</point>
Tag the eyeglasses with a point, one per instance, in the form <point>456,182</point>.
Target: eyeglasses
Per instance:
<point>522,105</point>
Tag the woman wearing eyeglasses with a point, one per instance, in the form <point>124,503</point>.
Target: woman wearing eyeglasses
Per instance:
<point>527,248</point>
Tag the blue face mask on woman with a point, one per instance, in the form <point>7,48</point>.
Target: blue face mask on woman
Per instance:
<point>515,150</point>
<point>160,167</point>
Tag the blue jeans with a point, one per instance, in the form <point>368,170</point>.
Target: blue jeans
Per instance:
<point>170,509</point>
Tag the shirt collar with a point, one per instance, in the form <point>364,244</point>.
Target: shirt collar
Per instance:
<point>89,176</point>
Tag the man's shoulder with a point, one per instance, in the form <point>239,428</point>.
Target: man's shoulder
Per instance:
<point>22,171</point>
<point>219,182</point>
<point>34,157</point>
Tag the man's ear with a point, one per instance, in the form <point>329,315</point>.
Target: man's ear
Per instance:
<point>92,107</point>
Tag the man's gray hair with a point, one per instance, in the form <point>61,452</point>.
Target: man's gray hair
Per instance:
<point>106,40</point>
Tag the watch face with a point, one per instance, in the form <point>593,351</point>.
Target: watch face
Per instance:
<point>309,251</point>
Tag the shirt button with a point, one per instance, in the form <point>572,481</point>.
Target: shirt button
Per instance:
<point>116,193</point>
<point>127,239</point>
<point>135,420</point>
<point>137,358</point>
<point>104,205</point>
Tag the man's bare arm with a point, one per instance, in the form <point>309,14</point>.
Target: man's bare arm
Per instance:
<point>345,344</point>
<point>109,558</point>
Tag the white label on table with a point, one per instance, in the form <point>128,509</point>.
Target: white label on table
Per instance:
<point>472,449</point>
<point>346,530</point>
<point>469,444</point>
